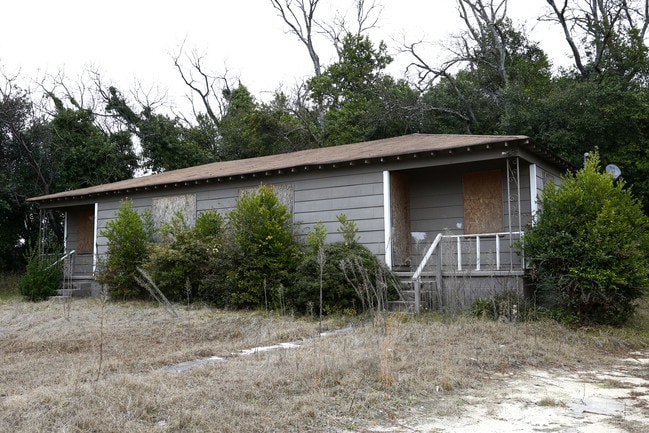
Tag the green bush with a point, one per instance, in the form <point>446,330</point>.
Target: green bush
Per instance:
<point>129,236</point>
<point>339,294</point>
<point>42,278</point>
<point>181,260</point>
<point>589,248</point>
<point>266,252</point>
<point>216,285</point>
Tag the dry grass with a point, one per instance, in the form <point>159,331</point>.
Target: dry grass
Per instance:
<point>49,363</point>
<point>9,285</point>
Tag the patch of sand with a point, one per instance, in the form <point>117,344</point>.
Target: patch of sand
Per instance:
<point>614,401</point>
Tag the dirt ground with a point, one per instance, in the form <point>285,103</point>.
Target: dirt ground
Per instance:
<point>588,401</point>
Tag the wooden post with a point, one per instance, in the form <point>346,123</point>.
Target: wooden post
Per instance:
<point>417,295</point>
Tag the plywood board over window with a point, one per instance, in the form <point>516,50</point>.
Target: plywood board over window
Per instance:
<point>283,191</point>
<point>164,208</point>
<point>483,202</point>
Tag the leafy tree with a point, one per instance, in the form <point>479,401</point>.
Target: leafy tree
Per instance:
<point>278,129</point>
<point>166,143</point>
<point>235,127</point>
<point>589,247</point>
<point>129,236</point>
<point>85,155</point>
<point>359,100</point>
<point>28,169</point>
<point>575,115</point>
<point>267,251</point>
<point>603,99</point>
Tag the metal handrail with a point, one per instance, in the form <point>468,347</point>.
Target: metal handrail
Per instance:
<point>62,258</point>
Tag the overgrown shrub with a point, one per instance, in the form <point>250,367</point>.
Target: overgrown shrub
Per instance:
<point>129,236</point>
<point>181,260</point>
<point>216,285</point>
<point>266,251</point>
<point>42,277</point>
<point>589,248</point>
<point>508,306</point>
<point>339,288</point>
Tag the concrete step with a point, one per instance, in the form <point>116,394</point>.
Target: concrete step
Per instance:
<point>76,288</point>
<point>72,293</point>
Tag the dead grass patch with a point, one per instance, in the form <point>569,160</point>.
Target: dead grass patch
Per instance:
<point>9,285</point>
<point>376,373</point>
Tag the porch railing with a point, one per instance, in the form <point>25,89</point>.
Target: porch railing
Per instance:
<point>495,240</point>
<point>475,242</point>
<point>65,258</point>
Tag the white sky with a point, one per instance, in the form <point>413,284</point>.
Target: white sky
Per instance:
<point>131,40</point>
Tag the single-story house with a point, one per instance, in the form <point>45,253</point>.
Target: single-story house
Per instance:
<point>439,208</point>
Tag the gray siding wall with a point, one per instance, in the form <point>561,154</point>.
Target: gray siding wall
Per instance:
<point>318,197</point>
<point>356,193</point>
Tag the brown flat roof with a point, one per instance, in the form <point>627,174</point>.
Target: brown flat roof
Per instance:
<point>329,156</point>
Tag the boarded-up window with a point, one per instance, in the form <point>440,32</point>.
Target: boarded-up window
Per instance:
<point>284,193</point>
<point>483,202</point>
<point>85,231</point>
<point>164,208</point>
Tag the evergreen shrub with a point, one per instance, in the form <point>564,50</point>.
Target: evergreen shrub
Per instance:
<point>42,277</point>
<point>181,260</point>
<point>129,236</point>
<point>588,250</point>
<point>326,261</point>
<point>266,252</point>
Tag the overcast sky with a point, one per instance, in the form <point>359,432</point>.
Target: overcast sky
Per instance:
<point>132,40</point>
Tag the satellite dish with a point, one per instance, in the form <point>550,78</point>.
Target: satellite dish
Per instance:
<point>613,170</point>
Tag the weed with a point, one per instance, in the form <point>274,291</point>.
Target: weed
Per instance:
<point>550,402</point>
<point>9,285</point>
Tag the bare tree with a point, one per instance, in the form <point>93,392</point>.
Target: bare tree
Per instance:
<point>590,25</point>
<point>428,74</point>
<point>211,89</point>
<point>484,34</point>
<point>299,15</point>
<point>365,18</point>
<point>481,44</point>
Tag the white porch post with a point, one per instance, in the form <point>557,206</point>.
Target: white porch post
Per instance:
<point>534,192</point>
<point>65,232</point>
<point>94,240</point>
<point>387,218</point>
